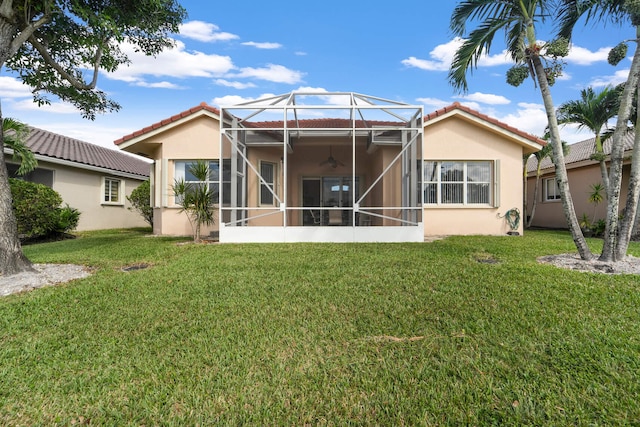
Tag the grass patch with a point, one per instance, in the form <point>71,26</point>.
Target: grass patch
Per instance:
<point>293,334</point>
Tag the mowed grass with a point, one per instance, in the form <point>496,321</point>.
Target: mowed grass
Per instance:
<point>466,330</point>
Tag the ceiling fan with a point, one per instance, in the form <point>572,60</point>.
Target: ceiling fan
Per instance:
<point>331,161</point>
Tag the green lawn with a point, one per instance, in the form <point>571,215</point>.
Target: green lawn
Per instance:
<point>467,330</point>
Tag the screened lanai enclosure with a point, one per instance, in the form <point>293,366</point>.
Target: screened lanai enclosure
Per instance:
<point>328,167</point>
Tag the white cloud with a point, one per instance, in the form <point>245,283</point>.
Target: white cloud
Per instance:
<point>620,76</point>
<point>485,98</point>
<point>432,104</point>
<point>53,108</point>
<point>582,56</point>
<point>175,62</point>
<point>235,85</point>
<point>528,117</point>
<point>442,56</point>
<point>230,100</point>
<point>327,99</point>
<point>476,106</point>
<point>263,45</point>
<point>204,32</point>
<point>300,53</point>
<point>159,85</point>
<point>272,73</point>
<point>13,88</point>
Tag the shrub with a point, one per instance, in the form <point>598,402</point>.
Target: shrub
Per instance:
<point>68,218</point>
<point>140,200</point>
<point>38,212</point>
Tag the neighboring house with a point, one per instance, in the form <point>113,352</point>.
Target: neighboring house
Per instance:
<point>93,179</point>
<point>582,172</point>
<point>377,171</point>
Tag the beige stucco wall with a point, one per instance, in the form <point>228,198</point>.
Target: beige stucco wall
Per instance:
<point>196,139</point>
<point>82,189</point>
<point>459,139</point>
<point>549,214</point>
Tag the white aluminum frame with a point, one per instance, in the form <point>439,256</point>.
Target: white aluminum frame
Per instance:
<point>237,123</point>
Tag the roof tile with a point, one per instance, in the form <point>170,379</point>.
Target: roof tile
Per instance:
<point>62,147</point>
<point>580,151</point>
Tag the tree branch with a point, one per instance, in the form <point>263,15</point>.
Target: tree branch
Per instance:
<point>26,33</point>
<point>78,84</point>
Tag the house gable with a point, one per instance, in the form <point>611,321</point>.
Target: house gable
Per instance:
<point>528,143</point>
<point>149,139</point>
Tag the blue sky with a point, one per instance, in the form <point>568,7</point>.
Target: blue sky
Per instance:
<point>229,52</point>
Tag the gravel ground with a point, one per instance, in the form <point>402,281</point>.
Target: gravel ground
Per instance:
<point>45,275</point>
<point>629,265</point>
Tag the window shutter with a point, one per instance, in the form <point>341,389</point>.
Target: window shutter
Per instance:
<point>496,183</point>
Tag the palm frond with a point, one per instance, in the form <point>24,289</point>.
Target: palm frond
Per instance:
<point>15,133</point>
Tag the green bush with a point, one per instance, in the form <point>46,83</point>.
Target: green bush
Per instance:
<point>38,212</point>
<point>140,200</point>
<point>68,218</point>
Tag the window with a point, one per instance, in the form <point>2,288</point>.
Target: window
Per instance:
<point>268,173</point>
<point>551,189</point>
<point>112,191</point>
<point>38,175</point>
<point>182,172</point>
<point>458,182</point>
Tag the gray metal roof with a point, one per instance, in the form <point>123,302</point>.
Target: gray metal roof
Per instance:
<point>62,147</point>
<point>580,151</point>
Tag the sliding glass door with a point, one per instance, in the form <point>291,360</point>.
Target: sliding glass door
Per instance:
<point>322,195</point>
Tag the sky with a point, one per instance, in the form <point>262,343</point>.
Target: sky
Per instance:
<point>232,52</point>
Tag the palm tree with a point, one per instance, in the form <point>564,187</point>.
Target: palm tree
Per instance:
<point>617,233</point>
<point>518,19</point>
<point>15,134</point>
<point>593,111</point>
<point>196,198</point>
<point>12,260</point>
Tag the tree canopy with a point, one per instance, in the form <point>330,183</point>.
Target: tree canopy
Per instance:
<point>58,47</point>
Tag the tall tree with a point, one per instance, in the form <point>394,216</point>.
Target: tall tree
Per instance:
<point>619,12</point>
<point>58,47</point>
<point>593,111</point>
<point>518,19</point>
<point>15,134</point>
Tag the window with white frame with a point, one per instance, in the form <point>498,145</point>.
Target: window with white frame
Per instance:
<point>112,190</point>
<point>551,189</point>
<point>458,182</point>
<point>182,171</point>
<point>268,173</point>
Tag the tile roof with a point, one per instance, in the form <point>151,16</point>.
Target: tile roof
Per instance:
<point>203,106</point>
<point>61,147</point>
<point>477,114</point>
<point>328,123</point>
<point>580,151</point>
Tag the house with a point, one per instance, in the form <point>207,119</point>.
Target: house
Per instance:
<point>338,167</point>
<point>93,179</point>
<point>582,172</point>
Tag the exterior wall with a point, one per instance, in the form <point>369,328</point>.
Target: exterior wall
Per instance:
<point>197,139</point>
<point>458,139</point>
<point>82,189</point>
<point>549,214</point>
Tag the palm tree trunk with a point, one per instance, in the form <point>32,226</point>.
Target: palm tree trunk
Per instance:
<point>610,249</point>
<point>558,160</point>
<point>633,193</point>
<point>603,164</point>
<point>12,260</point>
<point>535,198</point>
